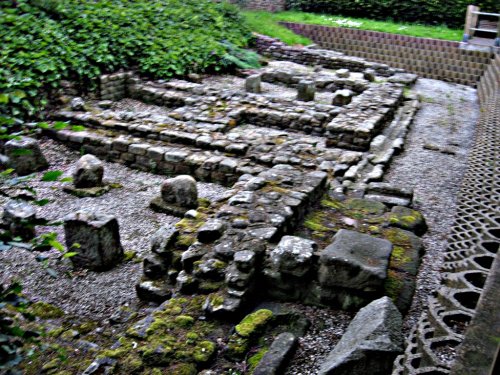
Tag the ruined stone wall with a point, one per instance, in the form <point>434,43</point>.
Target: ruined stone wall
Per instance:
<point>429,58</point>
<point>278,50</point>
<point>268,5</point>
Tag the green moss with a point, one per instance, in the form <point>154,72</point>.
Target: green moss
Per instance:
<point>129,255</point>
<point>399,257</point>
<point>45,310</point>
<point>253,323</point>
<point>55,332</point>
<point>87,327</point>
<point>359,208</point>
<point>315,221</point>
<point>51,365</point>
<point>397,236</point>
<point>204,351</point>
<point>185,240</point>
<point>204,202</point>
<point>216,300</point>
<point>393,284</point>
<point>210,286</point>
<point>184,321</point>
<point>254,360</point>
<point>181,369</point>
<point>330,203</point>
<point>237,347</point>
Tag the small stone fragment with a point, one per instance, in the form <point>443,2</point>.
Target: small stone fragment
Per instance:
<point>342,97</point>
<point>180,190</point>
<point>98,240</point>
<point>253,84</point>
<point>293,255</point>
<point>211,231</point>
<point>278,355</point>
<point>88,172</point>
<point>371,343</point>
<point>77,104</point>
<point>343,73</point>
<point>25,156</point>
<point>306,91</point>
<point>18,217</point>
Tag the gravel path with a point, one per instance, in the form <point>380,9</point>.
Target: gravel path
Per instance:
<point>93,294</point>
<point>447,120</point>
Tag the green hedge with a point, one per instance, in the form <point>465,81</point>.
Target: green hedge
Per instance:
<point>433,12</point>
<point>45,41</point>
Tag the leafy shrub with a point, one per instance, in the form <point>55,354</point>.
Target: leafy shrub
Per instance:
<point>45,41</point>
<point>449,12</point>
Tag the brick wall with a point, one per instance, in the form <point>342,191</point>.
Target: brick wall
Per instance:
<point>430,58</point>
<point>269,5</point>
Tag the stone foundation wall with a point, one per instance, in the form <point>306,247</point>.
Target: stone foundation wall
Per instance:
<point>327,59</point>
<point>114,86</point>
<point>429,58</point>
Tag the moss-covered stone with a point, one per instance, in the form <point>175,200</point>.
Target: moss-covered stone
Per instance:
<point>358,208</point>
<point>204,351</point>
<point>254,323</point>
<point>184,321</point>
<point>181,369</point>
<point>237,347</point>
<point>254,360</point>
<point>45,310</point>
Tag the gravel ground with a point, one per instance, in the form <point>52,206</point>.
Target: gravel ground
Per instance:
<point>447,119</point>
<point>93,294</point>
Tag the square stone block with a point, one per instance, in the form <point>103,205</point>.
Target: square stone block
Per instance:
<point>356,261</point>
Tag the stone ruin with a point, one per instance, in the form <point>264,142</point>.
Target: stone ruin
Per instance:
<point>303,149</point>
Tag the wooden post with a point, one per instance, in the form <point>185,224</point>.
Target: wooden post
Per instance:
<point>470,22</point>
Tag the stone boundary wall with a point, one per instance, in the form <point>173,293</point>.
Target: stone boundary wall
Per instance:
<point>268,5</point>
<point>490,81</point>
<point>429,58</point>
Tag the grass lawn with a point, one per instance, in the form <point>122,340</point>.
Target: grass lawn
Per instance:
<point>267,23</point>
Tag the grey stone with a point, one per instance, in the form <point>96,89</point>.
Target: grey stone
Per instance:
<point>293,255</point>
<point>277,357</point>
<point>404,78</point>
<point>244,260</point>
<point>369,75</point>
<point>24,155</point>
<point>408,219</point>
<point>186,283</point>
<point>370,344</point>
<point>105,104</point>
<point>211,231</point>
<point>153,291</point>
<point>88,172</point>
<point>98,239</point>
<point>342,97</point>
<point>154,267</point>
<point>18,218</point>
<point>343,73</point>
<point>253,84</point>
<point>181,191</point>
<point>162,240</point>
<point>77,104</point>
<point>355,261</point>
<point>306,91</point>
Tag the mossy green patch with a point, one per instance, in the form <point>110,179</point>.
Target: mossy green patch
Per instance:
<point>129,255</point>
<point>359,208</point>
<point>315,222</point>
<point>184,321</point>
<point>204,351</point>
<point>45,310</point>
<point>393,284</point>
<point>204,202</point>
<point>254,360</point>
<point>399,257</point>
<point>253,323</point>
<point>332,203</point>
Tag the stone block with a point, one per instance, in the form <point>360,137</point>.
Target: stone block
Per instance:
<point>88,172</point>
<point>293,256</point>
<point>98,240</point>
<point>306,90</point>
<point>25,156</point>
<point>355,261</point>
<point>253,84</point>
